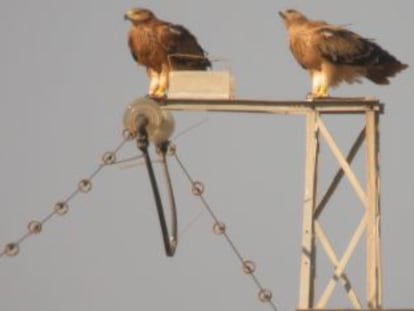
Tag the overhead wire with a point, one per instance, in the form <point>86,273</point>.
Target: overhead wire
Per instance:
<point>35,227</point>
<point>249,267</point>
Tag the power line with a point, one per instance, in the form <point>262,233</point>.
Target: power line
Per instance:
<point>248,266</point>
<point>61,208</point>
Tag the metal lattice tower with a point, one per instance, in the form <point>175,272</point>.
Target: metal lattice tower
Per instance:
<point>368,194</point>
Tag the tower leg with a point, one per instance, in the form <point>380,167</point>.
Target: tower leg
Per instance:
<point>308,256</point>
<point>373,264</point>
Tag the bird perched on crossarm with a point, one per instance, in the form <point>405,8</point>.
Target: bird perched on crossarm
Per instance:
<point>334,54</point>
<point>162,46</point>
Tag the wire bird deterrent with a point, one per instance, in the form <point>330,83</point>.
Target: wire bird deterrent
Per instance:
<point>61,208</point>
<point>109,158</point>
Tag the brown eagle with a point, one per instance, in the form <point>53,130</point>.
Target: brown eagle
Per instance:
<point>161,46</point>
<point>333,54</point>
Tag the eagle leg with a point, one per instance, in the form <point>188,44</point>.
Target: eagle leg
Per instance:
<point>154,78</point>
<point>316,82</point>
<point>162,88</point>
<point>326,80</point>
<point>320,85</point>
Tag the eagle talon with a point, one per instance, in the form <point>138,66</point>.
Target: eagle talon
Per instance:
<point>310,96</point>
<point>316,96</point>
<point>158,96</point>
<point>321,96</point>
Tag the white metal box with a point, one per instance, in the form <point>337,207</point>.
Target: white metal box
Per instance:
<point>200,85</point>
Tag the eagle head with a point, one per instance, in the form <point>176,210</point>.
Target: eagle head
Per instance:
<point>138,15</point>
<point>291,16</point>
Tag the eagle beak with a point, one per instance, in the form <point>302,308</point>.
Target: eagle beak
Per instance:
<point>128,15</point>
<point>282,15</point>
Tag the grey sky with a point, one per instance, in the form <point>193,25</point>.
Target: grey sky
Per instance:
<point>66,77</point>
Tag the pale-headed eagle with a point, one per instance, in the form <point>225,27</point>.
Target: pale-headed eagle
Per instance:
<point>160,47</point>
<point>333,54</point>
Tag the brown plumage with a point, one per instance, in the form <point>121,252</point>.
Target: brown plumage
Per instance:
<point>161,46</point>
<point>333,54</point>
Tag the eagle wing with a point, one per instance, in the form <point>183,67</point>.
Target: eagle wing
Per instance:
<point>132,47</point>
<point>176,39</point>
<point>343,47</point>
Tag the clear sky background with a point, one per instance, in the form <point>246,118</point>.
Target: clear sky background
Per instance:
<point>66,77</point>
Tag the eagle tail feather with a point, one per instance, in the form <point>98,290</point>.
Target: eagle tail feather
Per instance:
<point>379,74</point>
<point>190,62</point>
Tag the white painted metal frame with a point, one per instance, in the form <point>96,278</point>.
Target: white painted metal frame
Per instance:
<point>316,133</point>
<point>369,224</point>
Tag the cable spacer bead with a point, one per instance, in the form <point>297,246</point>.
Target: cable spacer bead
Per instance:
<point>61,208</point>
<point>85,185</point>
<point>11,249</point>
<point>197,188</point>
<point>172,149</point>
<point>265,295</point>
<point>108,158</point>
<point>35,227</point>
<point>249,267</point>
<point>219,228</point>
<point>128,135</point>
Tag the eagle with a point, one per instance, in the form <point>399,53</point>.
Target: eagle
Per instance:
<point>161,46</point>
<point>334,54</point>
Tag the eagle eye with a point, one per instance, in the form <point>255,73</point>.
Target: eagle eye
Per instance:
<point>290,11</point>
